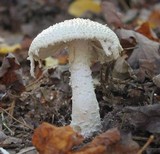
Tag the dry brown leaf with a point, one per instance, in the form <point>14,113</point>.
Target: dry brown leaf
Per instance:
<point>121,69</point>
<point>146,30</point>
<point>101,143</point>
<point>100,149</point>
<point>146,69</point>
<point>110,137</point>
<point>11,74</point>
<point>125,146</point>
<point>145,117</point>
<point>145,50</point>
<point>110,14</point>
<point>111,142</point>
<point>49,139</point>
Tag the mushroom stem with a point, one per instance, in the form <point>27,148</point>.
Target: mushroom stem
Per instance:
<point>85,108</point>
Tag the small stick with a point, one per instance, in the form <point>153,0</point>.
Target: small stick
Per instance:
<point>5,125</point>
<point>130,48</point>
<point>16,119</point>
<point>11,111</point>
<point>27,150</point>
<point>139,138</point>
<point>31,85</point>
<point>146,145</point>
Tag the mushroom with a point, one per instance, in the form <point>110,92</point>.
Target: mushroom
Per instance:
<point>86,41</point>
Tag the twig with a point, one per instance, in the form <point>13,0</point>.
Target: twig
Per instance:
<point>123,119</point>
<point>16,119</point>
<point>146,145</point>
<point>5,125</point>
<point>151,97</point>
<point>26,150</point>
<point>130,48</point>
<point>139,138</point>
<point>11,111</point>
<point>31,85</point>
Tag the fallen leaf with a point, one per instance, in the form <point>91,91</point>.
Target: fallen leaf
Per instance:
<point>110,142</point>
<point>11,74</point>
<point>144,117</point>
<point>110,14</point>
<point>93,150</point>
<point>79,7</point>
<point>146,30</point>
<point>145,50</point>
<point>49,139</point>
<point>146,70</point>
<point>126,145</point>
<point>51,62</point>
<point>121,69</point>
<point>111,136</point>
<point>5,48</point>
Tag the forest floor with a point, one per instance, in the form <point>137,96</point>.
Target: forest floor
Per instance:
<point>128,89</point>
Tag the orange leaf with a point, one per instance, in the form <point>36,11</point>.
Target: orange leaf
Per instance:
<point>49,139</point>
<point>106,139</point>
<point>100,149</point>
<point>100,143</point>
<point>146,30</point>
<point>110,142</point>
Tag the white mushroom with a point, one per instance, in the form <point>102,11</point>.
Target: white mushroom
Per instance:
<point>86,41</point>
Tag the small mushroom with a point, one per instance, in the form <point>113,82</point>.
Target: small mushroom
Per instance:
<point>86,41</point>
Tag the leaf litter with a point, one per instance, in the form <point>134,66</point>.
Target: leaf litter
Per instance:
<point>127,90</point>
<point>49,139</point>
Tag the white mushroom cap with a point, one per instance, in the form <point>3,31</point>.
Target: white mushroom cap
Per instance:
<point>52,38</point>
